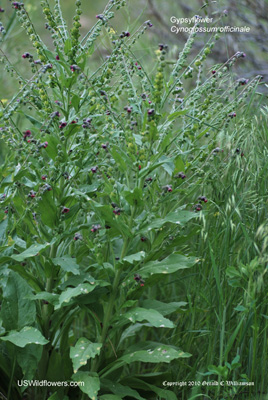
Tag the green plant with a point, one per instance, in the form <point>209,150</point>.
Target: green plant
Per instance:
<point>97,192</point>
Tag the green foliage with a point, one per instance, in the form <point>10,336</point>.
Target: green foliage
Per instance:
<point>98,216</point>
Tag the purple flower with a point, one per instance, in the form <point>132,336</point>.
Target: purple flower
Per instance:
<point>95,228</point>
<point>78,236</point>
<point>62,125</point>
<point>203,198</point>
<point>27,55</point>
<point>74,68</point>
<point>27,134</point>
<point>32,194</point>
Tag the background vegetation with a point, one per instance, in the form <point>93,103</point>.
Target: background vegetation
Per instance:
<point>218,307</point>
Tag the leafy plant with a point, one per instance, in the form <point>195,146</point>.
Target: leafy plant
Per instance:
<point>92,217</point>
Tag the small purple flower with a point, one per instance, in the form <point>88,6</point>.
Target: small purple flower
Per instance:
<point>32,194</point>
<point>95,228</point>
<point>66,175</point>
<point>54,114</point>
<point>117,211</point>
<point>217,150</point>
<point>137,277</point>
<point>27,134</point>
<point>167,188</point>
<point>203,198</point>
<point>65,210</point>
<point>78,236</point>
<point>86,123</point>
<point>94,169</point>
<point>17,5</point>
<point>198,207</point>
<point>242,81</point>
<point>180,175</point>
<point>47,188</point>
<point>240,54</point>
<point>27,55</point>
<point>151,111</point>
<point>62,125</point>
<point>128,109</point>
<point>75,68</point>
<point>232,114</point>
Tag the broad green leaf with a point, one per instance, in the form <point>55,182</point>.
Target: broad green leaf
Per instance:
<point>152,316</point>
<point>163,308</point>
<point>17,311</point>
<point>55,369</point>
<point>52,298</point>
<point>91,383</point>
<point>120,158</point>
<point>162,353</point>
<point>130,331</point>
<point>67,263</point>
<point>28,359</point>
<point>134,257</point>
<point>70,293</point>
<point>169,168</point>
<point>120,390</point>
<point>75,102</point>
<point>177,114</point>
<point>106,213</point>
<point>220,370</point>
<point>82,351</point>
<point>88,188</point>
<point>164,394</point>
<point>179,165</point>
<point>110,397</point>
<point>34,121</point>
<point>203,133</point>
<point>171,264</point>
<point>152,166</point>
<point>30,252</point>
<point>51,149</point>
<point>134,197</point>
<point>26,336</point>
<point>3,227</point>
<point>73,211</point>
<point>67,46</point>
<point>129,303</point>
<point>176,217</point>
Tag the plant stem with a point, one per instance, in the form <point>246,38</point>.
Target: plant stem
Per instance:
<point>11,377</point>
<point>110,308</point>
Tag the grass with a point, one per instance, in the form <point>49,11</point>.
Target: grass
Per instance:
<point>226,293</point>
<point>224,321</point>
